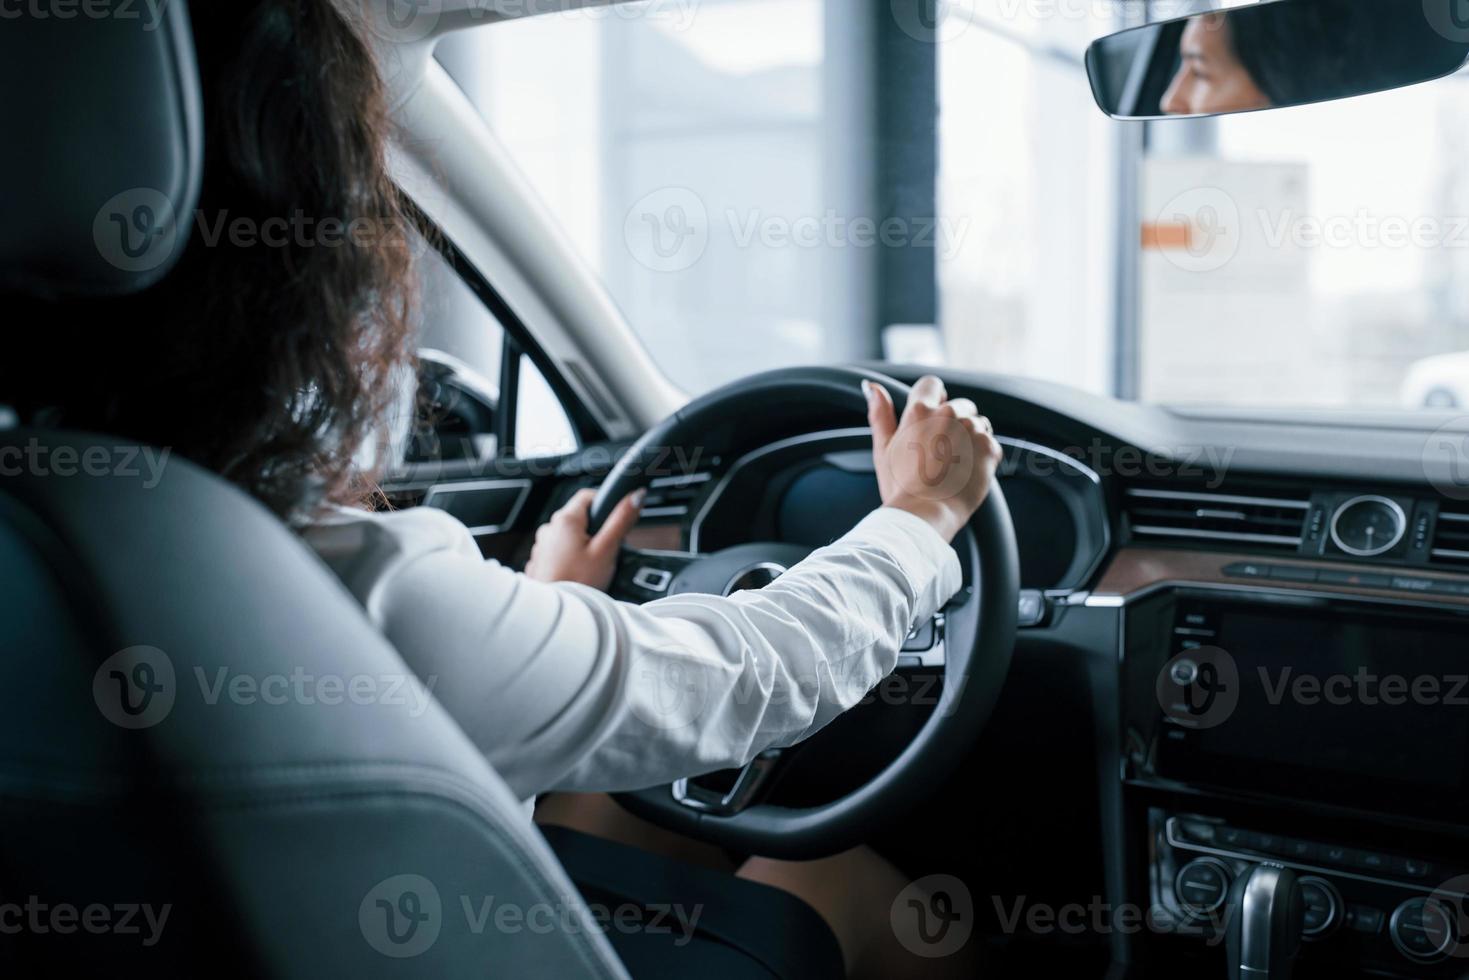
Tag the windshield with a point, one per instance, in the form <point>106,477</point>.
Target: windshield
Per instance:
<point>763,183</point>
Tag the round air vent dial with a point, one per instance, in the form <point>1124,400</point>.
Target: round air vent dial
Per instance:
<point>1368,526</point>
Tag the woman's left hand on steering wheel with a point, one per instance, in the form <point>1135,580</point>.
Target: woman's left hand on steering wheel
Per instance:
<point>565,552</point>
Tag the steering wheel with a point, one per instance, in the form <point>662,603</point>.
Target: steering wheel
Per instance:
<point>979,633</point>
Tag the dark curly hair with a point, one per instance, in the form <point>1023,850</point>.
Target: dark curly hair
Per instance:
<point>271,358</point>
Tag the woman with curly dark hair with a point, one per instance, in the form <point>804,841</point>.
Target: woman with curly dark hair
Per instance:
<point>307,333</point>
<point>272,354</point>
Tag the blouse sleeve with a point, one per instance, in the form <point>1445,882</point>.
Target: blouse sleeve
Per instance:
<point>563,687</point>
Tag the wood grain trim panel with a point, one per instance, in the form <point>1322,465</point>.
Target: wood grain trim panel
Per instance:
<point>1134,571</point>
<point>656,537</point>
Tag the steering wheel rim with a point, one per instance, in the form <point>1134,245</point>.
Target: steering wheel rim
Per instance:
<point>974,670</point>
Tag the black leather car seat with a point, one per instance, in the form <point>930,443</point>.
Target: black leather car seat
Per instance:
<point>210,763</point>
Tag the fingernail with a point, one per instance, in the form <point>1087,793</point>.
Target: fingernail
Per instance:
<point>867,389</point>
<point>637,498</point>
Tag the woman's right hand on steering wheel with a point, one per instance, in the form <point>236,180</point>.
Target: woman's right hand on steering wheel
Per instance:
<point>938,461</point>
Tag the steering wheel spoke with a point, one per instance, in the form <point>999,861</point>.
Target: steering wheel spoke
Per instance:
<point>924,646</point>
<point>745,790</point>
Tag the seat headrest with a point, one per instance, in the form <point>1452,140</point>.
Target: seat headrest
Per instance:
<point>103,146</point>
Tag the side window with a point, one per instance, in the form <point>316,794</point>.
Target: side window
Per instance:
<point>541,425</point>
<point>461,410</point>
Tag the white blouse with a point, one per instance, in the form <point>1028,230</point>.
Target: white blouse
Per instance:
<point>563,687</point>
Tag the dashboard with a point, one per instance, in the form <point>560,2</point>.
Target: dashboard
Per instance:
<point>1243,642</point>
<point>1275,661</point>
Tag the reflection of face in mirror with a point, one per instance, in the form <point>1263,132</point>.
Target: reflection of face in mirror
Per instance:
<point>1211,77</point>
<point>1272,55</point>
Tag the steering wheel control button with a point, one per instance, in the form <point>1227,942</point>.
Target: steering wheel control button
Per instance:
<point>652,579</point>
<point>1323,908</point>
<point>1422,930</point>
<point>1032,607</point>
<point>923,637</point>
<point>1202,886</point>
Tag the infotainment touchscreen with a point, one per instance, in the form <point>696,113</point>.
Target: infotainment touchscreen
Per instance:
<point>1347,695</point>
<point>1338,703</point>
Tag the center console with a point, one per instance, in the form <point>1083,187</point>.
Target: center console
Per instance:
<point>1321,734</point>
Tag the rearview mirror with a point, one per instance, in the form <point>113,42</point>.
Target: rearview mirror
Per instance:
<point>1276,54</point>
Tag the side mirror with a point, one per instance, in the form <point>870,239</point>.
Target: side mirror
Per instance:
<point>1276,54</point>
<point>454,412</point>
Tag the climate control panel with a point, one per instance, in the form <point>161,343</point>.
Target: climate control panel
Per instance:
<point>1387,913</point>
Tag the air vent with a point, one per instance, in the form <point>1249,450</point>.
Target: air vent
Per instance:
<point>671,497</point>
<point>1451,539</point>
<point>1275,522</point>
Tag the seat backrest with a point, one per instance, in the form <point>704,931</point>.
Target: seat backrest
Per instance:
<point>210,763</point>
<point>200,726</point>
